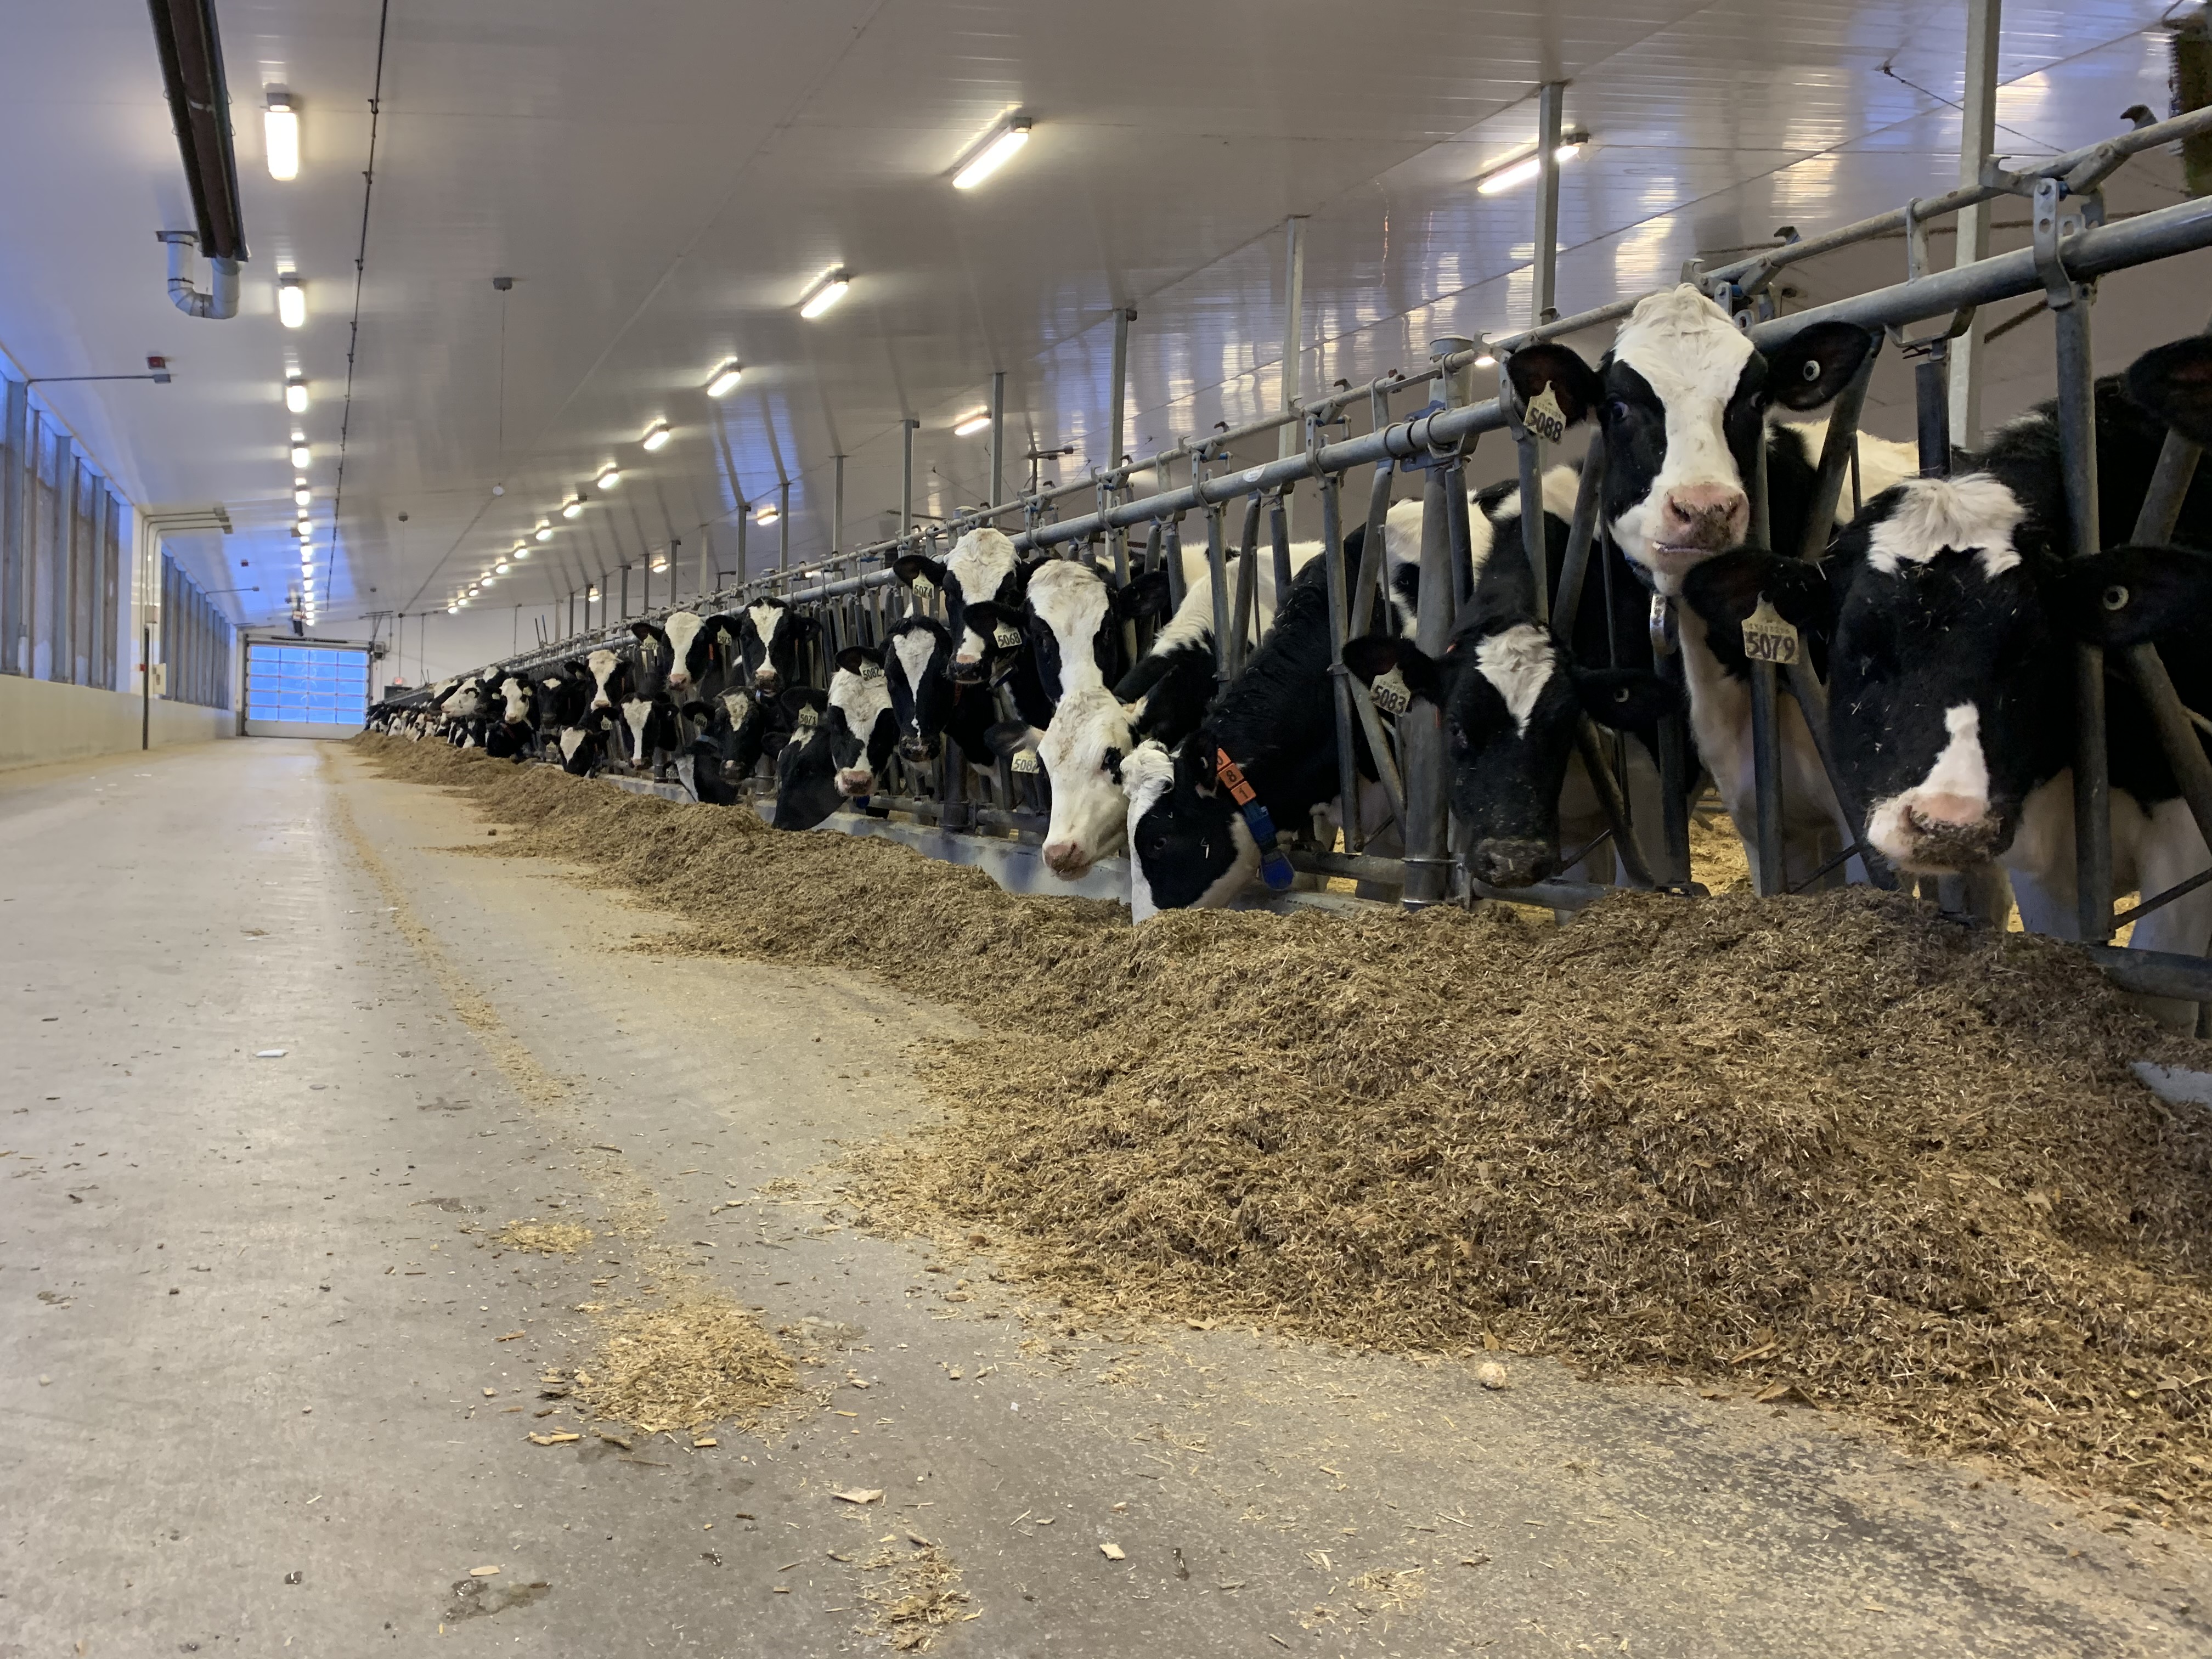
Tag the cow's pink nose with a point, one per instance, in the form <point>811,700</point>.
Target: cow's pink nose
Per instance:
<point>1065,858</point>
<point>1706,515</point>
<point>1948,809</point>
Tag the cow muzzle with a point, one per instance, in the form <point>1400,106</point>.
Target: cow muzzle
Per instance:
<point>1934,833</point>
<point>767,679</point>
<point>856,781</point>
<point>1067,859</point>
<point>918,751</point>
<point>965,670</point>
<point>1503,863</point>
<point>1707,518</point>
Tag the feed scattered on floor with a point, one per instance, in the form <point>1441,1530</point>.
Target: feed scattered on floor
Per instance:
<point>1830,1146</point>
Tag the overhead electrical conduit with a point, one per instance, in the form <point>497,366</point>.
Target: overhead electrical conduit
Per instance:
<point>199,108</point>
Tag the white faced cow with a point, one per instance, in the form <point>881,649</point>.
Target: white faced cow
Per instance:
<point>1683,403</point>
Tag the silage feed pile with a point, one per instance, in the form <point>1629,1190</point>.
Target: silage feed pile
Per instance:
<point>1827,1149</point>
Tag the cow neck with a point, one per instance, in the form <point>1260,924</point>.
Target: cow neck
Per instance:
<point>1275,867</point>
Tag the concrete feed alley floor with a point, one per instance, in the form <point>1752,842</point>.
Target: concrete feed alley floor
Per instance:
<point>268,1397</point>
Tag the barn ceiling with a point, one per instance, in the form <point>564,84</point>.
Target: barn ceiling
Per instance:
<point>664,179</point>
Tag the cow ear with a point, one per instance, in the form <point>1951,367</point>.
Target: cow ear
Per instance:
<point>1561,368</point>
<point>1193,762</point>
<point>1627,699</point>
<point>1373,655</point>
<point>2133,595</point>
<point>2174,382</point>
<point>1009,738</point>
<point>984,615</point>
<point>1725,589</point>
<point>854,657</point>
<point>911,565</point>
<point>644,631</point>
<point>804,696</point>
<point>1817,364</point>
<point>773,742</point>
<point>1147,595</point>
<point>803,625</point>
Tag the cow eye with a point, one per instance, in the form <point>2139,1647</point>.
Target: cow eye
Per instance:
<point>1620,694</point>
<point>1812,370</point>
<point>2116,597</point>
<point>1616,410</point>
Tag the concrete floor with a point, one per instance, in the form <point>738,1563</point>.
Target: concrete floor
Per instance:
<point>465,1037</point>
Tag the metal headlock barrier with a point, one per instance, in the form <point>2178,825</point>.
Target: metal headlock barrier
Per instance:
<point>2072,245</point>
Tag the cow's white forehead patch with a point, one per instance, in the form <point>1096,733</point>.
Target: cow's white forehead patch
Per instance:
<point>913,650</point>
<point>572,739</point>
<point>602,663</point>
<point>1084,725</point>
<point>980,559</point>
<point>738,704</point>
<point>766,619</point>
<point>1147,773</point>
<point>1071,599</point>
<point>859,700</point>
<point>1974,513</point>
<point>682,629</point>
<point>1684,344</point>
<point>1518,662</point>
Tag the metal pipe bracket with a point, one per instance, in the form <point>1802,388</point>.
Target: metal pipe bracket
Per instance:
<point>2058,214</point>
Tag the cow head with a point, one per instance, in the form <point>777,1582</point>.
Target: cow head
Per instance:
<point>1072,616</point>
<point>1951,691</point>
<point>806,766</point>
<point>862,695</point>
<point>695,653</point>
<point>917,651</point>
<point>654,658</point>
<point>1189,848</point>
<point>771,636</point>
<point>982,569</point>
<point>610,678</point>
<point>1082,751</point>
<point>584,745</point>
<point>517,695</point>
<point>1511,699</point>
<point>1681,402</point>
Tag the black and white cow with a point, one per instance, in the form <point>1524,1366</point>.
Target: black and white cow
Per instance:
<point>842,739</point>
<point>513,735</point>
<point>1189,843</point>
<point>1161,699</point>
<point>982,569</point>
<point>699,658</point>
<point>583,744</point>
<point>648,713</point>
<point>1683,401</point>
<point>1958,605</point>
<point>772,637</point>
<point>1511,691</point>
<point>929,704</point>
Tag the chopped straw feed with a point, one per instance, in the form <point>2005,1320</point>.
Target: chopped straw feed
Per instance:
<point>547,1237</point>
<point>1828,1148</point>
<point>699,1359</point>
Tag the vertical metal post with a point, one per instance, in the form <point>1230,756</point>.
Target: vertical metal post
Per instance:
<point>1339,618</point>
<point>1248,586</point>
<point>1976,136</point>
<point>782,525</point>
<point>1278,535</point>
<point>744,518</point>
<point>998,436</point>
<point>906,476</point>
<point>623,614</point>
<point>705,561</point>
<point>1216,567</point>
<point>837,509</point>
<point>1420,728</point>
<point>1544,289</point>
<point>1771,876</point>
<point>146,688</point>
<point>1931,385</point>
<point>645,583</point>
<point>1294,308</point>
<point>2078,443</point>
<point>1117,417</point>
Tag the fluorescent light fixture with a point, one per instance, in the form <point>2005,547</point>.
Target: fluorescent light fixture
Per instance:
<point>726,380</point>
<point>995,154</point>
<point>573,507</point>
<point>486,581</point>
<point>295,395</point>
<point>1516,173</point>
<point>301,454</point>
<point>302,496</point>
<point>280,127</point>
<point>655,435</point>
<point>826,293</point>
<point>610,478</point>
<point>521,550</point>
<point>972,424</point>
<point>768,515</point>
<point>291,302</point>
<point>592,594</point>
<point>454,609</point>
<point>659,565</point>
<point>503,566</point>
<point>544,532</point>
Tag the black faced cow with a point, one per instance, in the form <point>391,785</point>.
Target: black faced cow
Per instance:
<point>772,638</point>
<point>982,569</point>
<point>1682,402</point>
<point>841,738</point>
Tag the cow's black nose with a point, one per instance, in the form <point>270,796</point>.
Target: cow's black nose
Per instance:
<point>1511,863</point>
<point>916,751</point>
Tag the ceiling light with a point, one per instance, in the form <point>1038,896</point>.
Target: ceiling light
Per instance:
<point>454,609</point>
<point>726,380</point>
<point>768,515</point>
<point>655,435</point>
<point>521,550</point>
<point>544,532</point>
<point>826,293</point>
<point>659,565</point>
<point>591,593</point>
<point>995,154</point>
<point>973,424</point>
<point>280,127</point>
<point>503,566</point>
<point>573,507</point>
<point>300,497</point>
<point>1514,173</point>
<point>301,456</point>
<point>295,395</point>
<point>291,302</point>
<point>610,478</point>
